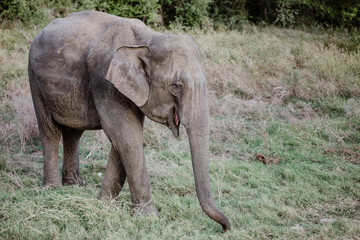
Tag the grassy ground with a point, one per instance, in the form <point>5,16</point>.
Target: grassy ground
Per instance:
<point>288,98</point>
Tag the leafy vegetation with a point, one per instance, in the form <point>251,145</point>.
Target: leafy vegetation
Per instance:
<point>195,13</point>
<point>285,133</point>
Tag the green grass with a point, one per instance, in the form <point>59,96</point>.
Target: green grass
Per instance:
<point>288,95</point>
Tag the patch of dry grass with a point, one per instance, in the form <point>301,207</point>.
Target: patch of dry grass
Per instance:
<point>274,65</point>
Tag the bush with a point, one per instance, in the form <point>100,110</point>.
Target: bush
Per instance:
<point>332,13</point>
<point>26,11</point>
<point>191,13</point>
<point>39,11</point>
<point>145,10</point>
<point>343,14</point>
<point>188,13</point>
<point>229,13</point>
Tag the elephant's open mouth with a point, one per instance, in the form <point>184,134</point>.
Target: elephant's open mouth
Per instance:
<point>176,118</point>
<point>174,122</point>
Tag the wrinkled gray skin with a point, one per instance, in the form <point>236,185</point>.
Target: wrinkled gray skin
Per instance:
<point>93,70</point>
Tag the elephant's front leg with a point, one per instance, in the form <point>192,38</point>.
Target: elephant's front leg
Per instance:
<point>115,176</point>
<point>127,140</point>
<point>138,178</point>
<point>123,124</point>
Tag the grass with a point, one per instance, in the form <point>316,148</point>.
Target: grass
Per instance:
<point>286,95</point>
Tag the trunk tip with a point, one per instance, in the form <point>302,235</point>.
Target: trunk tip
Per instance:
<point>226,226</point>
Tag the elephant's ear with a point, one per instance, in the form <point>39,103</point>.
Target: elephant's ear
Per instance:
<point>128,71</point>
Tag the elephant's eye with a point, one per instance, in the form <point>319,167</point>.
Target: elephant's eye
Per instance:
<point>176,88</point>
<point>178,85</point>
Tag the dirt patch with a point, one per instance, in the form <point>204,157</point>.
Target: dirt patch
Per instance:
<point>266,160</point>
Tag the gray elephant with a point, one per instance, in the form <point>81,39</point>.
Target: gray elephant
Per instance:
<point>92,70</point>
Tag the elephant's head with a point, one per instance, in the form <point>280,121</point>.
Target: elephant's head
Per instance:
<point>166,80</point>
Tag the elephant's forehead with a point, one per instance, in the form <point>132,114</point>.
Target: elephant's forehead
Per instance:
<point>178,61</point>
<point>171,63</point>
<point>179,67</point>
<point>169,44</point>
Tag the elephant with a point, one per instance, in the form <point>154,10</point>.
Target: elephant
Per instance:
<point>92,70</point>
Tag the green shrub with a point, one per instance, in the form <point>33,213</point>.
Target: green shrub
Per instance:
<point>39,11</point>
<point>195,13</point>
<point>229,13</point>
<point>26,11</point>
<point>188,13</point>
<point>145,10</point>
<point>332,13</point>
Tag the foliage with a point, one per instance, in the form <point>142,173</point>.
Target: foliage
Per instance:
<point>332,13</point>
<point>337,13</point>
<point>191,13</point>
<point>145,10</point>
<point>228,13</point>
<point>38,11</point>
<point>187,13</point>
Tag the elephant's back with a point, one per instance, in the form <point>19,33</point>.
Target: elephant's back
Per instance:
<point>81,28</point>
<point>70,39</point>
<point>74,34</point>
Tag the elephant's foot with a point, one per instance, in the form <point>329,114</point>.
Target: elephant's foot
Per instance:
<point>52,183</point>
<point>105,195</point>
<point>145,209</point>
<point>73,180</point>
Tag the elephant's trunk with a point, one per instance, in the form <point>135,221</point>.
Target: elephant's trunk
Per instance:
<point>197,127</point>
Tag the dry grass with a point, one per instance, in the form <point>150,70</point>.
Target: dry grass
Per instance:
<point>277,65</point>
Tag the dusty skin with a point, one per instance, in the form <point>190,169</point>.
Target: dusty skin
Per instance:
<point>92,70</point>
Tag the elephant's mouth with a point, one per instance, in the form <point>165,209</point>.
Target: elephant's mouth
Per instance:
<point>173,122</point>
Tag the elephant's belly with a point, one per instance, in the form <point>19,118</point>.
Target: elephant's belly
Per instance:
<point>78,120</point>
<point>73,110</point>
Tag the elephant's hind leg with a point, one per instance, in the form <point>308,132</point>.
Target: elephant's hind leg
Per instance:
<point>114,177</point>
<point>50,134</point>
<point>70,171</point>
<point>50,138</point>
<point>50,143</point>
